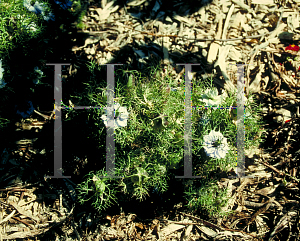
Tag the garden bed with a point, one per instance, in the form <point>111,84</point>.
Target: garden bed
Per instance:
<point>148,202</point>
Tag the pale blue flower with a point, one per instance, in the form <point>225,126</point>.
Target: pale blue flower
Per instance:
<point>215,145</point>
<point>119,120</point>
<point>38,8</point>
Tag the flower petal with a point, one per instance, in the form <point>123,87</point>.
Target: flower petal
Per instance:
<point>39,7</point>
<point>212,151</point>
<point>121,120</point>
<point>1,72</point>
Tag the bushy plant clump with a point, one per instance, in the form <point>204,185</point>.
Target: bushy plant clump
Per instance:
<point>149,134</point>
<point>149,111</point>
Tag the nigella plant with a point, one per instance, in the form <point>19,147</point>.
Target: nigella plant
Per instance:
<point>152,145</point>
